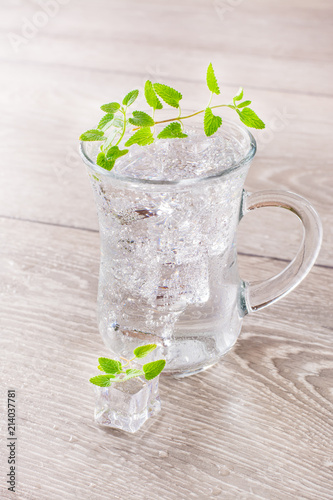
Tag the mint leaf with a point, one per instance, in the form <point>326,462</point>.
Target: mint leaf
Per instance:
<point>153,369</point>
<point>103,162</point>
<point>114,152</point>
<point>141,119</point>
<point>171,131</point>
<point>243,104</point>
<point>130,97</point>
<point>211,122</point>
<point>112,107</point>
<point>108,160</point>
<point>211,80</point>
<point>250,119</point>
<point>143,350</point>
<point>102,380</point>
<point>239,96</point>
<point>143,137</point>
<point>132,373</point>
<point>168,94</point>
<point>92,135</point>
<point>110,365</point>
<point>151,97</point>
<point>105,120</point>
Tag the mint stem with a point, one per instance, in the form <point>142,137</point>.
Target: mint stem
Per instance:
<point>124,127</point>
<point>179,118</point>
<point>128,361</point>
<point>210,99</point>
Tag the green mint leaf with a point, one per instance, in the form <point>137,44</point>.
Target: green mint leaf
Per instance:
<point>114,152</point>
<point>105,120</point>
<point>92,135</point>
<point>112,107</point>
<point>110,365</point>
<point>103,162</point>
<point>108,160</point>
<point>132,373</point>
<point>172,131</point>
<point>211,122</point>
<point>239,96</point>
<point>153,369</point>
<point>102,380</point>
<point>143,350</point>
<point>211,80</point>
<point>151,97</point>
<point>168,94</point>
<point>243,104</point>
<point>130,97</point>
<point>143,137</point>
<point>250,119</point>
<point>141,119</point>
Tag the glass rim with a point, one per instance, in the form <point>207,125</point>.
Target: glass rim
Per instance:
<point>247,157</point>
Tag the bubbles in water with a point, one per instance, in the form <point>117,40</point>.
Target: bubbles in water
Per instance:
<point>193,157</point>
<point>166,250</point>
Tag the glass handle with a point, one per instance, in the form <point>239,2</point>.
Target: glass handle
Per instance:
<point>259,294</point>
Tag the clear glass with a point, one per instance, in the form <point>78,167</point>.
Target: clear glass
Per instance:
<point>127,405</point>
<point>168,270</point>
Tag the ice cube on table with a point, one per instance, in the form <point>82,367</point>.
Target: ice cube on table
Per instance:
<point>127,405</point>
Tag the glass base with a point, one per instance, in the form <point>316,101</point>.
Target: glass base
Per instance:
<point>194,371</point>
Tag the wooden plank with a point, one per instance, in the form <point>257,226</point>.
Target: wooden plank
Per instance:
<point>257,425</point>
<point>293,152</point>
<point>267,42</point>
<point>42,179</point>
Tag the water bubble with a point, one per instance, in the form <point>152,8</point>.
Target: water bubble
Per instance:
<point>223,470</point>
<point>215,491</point>
<point>163,454</point>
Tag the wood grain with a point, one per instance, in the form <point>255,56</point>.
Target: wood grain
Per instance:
<point>293,154</point>
<point>259,424</point>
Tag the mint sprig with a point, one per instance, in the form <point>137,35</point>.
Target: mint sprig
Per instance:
<point>92,135</point>
<point>172,131</point>
<point>110,108</point>
<point>211,122</point>
<point>105,120</point>
<point>168,94</point>
<point>130,97</point>
<point>112,127</point>
<point>154,368</point>
<point>212,81</point>
<point>115,371</point>
<point>151,98</point>
<point>143,137</point>
<point>141,119</point>
<point>249,118</point>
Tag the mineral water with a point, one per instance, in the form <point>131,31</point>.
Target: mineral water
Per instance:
<point>168,216</point>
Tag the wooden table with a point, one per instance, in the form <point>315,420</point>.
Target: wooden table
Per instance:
<point>258,424</point>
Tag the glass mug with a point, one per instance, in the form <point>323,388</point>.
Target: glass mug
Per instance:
<point>168,270</point>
